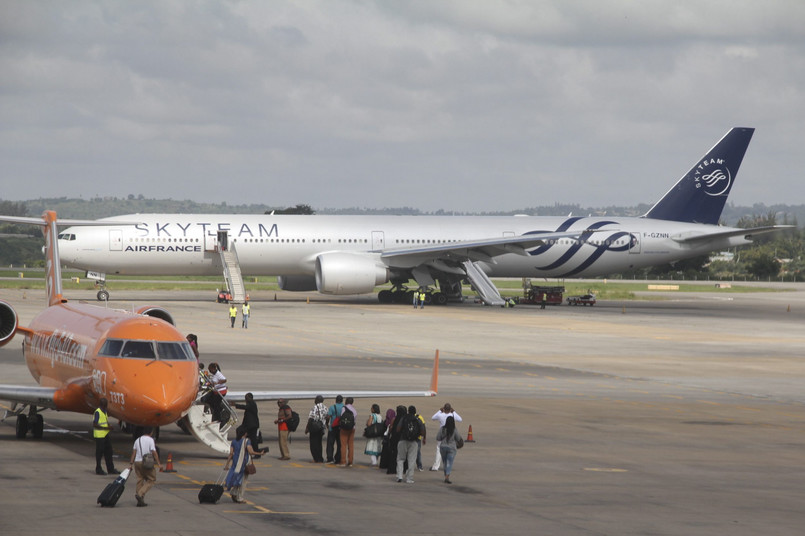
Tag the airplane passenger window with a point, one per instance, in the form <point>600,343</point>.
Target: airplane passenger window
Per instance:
<point>111,348</point>
<point>173,350</point>
<point>139,349</point>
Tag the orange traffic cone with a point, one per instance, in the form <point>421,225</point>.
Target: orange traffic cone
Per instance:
<point>169,466</point>
<point>469,436</point>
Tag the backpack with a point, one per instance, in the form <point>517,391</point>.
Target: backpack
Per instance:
<point>410,428</point>
<point>293,422</point>
<point>347,420</point>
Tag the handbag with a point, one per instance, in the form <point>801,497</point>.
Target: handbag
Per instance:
<point>148,459</point>
<point>250,468</point>
<point>318,427</point>
<point>374,430</point>
<point>459,441</point>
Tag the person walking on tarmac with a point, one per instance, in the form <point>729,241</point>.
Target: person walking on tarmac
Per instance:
<point>233,314</point>
<point>245,310</point>
<point>103,443</point>
<point>422,298</point>
<point>145,460</point>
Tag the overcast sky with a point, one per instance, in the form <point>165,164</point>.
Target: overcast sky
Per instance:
<point>460,105</point>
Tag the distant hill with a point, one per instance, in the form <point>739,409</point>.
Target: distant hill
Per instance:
<point>113,206</point>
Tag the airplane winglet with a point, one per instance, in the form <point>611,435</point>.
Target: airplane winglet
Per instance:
<point>434,377</point>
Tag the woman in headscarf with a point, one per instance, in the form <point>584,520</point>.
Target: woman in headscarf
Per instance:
<point>240,453</point>
<point>394,438</point>
<point>448,435</point>
<point>385,450</point>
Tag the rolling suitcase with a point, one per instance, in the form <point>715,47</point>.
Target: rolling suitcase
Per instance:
<point>211,493</point>
<point>113,491</point>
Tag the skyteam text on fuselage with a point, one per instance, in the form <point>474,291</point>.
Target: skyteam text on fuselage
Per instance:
<point>354,254</point>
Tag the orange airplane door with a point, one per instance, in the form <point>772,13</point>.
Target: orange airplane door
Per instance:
<point>115,240</point>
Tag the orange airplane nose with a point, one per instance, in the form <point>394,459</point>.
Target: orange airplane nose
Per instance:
<point>158,391</point>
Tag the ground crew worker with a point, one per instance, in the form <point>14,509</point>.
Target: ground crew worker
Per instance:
<point>103,443</point>
<point>233,314</point>
<point>245,322</point>
<point>422,299</point>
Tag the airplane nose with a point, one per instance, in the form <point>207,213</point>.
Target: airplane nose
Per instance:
<point>159,391</point>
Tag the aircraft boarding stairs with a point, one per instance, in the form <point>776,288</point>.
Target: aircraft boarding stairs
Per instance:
<point>486,290</point>
<point>198,420</point>
<point>234,279</point>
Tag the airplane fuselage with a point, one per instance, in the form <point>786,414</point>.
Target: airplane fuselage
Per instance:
<point>170,244</point>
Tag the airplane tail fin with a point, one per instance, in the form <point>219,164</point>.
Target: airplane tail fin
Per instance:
<point>52,261</point>
<point>700,195</point>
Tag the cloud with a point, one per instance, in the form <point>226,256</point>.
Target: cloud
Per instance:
<point>462,105</point>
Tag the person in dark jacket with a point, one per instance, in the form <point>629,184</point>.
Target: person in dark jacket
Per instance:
<point>251,422</point>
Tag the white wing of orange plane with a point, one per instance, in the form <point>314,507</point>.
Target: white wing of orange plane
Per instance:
<point>80,353</point>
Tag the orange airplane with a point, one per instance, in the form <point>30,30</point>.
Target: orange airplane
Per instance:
<point>80,353</point>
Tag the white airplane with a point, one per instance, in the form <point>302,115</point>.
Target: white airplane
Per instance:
<point>354,254</point>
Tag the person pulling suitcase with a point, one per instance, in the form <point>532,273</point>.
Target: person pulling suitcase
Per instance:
<point>145,460</point>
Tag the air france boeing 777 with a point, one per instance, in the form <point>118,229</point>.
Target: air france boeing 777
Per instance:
<point>354,254</point>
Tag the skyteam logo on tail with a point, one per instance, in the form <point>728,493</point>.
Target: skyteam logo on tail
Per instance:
<point>716,181</point>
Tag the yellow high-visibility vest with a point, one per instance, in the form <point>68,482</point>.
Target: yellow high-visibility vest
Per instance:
<point>103,421</point>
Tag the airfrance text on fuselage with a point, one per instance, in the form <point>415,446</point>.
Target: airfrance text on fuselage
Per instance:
<point>164,230</point>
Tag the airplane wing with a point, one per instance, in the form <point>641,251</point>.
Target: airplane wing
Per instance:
<point>240,396</point>
<point>62,222</point>
<point>476,250</point>
<point>748,233</point>
<point>43,397</point>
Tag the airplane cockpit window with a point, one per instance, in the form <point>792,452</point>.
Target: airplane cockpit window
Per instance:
<point>111,348</point>
<point>174,350</point>
<point>139,349</point>
<point>67,236</point>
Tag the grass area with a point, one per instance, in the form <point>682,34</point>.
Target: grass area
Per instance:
<point>603,289</point>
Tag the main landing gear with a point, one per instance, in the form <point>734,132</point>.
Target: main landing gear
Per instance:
<point>33,423</point>
<point>402,294</point>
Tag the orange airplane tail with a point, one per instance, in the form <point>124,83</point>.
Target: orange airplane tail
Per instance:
<point>434,376</point>
<point>52,262</point>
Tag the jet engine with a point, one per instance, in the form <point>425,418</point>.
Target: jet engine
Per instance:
<point>156,312</point>
<point>297,283</point>
<point>347,273</point>
<point>8,323</point>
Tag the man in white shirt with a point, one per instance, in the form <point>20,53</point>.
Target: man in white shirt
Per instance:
<point>146,477</point>
<point>441,416</point>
